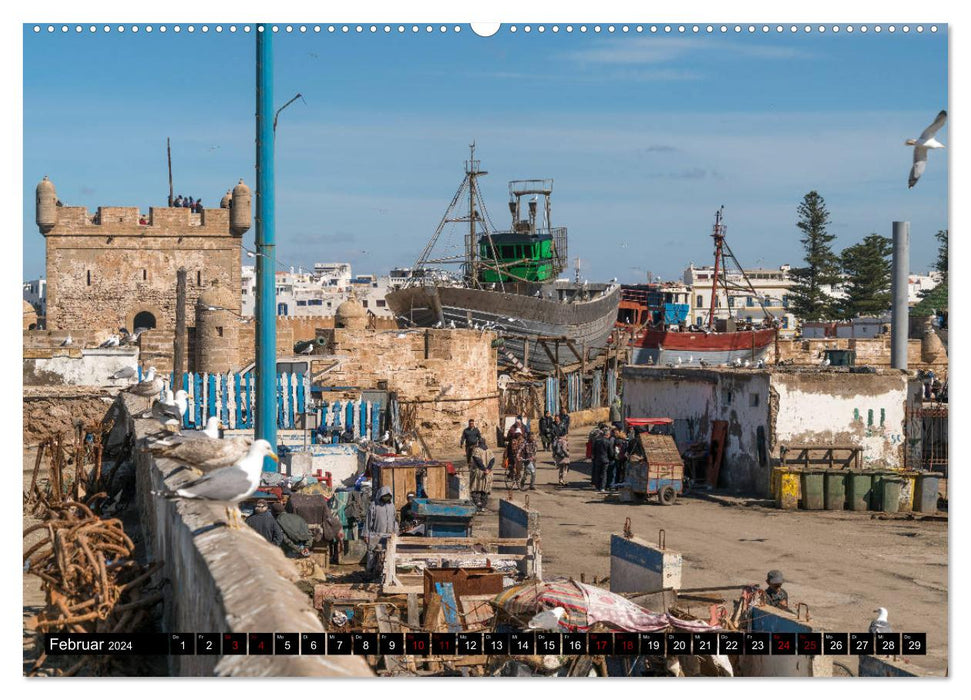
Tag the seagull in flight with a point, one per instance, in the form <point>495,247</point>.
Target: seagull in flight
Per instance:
<point>921,146</point>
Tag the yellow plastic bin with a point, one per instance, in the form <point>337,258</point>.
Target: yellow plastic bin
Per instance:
<point>908,490</point>
<point>789,489</point>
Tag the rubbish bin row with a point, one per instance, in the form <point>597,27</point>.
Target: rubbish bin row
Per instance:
<point>843,489</point>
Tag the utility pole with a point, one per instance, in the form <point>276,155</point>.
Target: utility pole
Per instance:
<point>900,312</point>
<point>179,361</point>
<point>266,399</point>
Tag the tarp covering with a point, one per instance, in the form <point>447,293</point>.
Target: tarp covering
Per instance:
<point>586,605</point>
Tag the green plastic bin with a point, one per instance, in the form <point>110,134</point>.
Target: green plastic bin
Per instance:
<point>858,487</point>
<point>925,499</point>
<point>812,490</point>
<point>835,496</point>
<point>889,489</point>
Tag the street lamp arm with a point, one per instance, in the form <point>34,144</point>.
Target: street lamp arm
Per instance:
<point>293,99</point>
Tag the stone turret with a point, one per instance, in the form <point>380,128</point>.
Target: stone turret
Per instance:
<point>217,330</point>
<point>46,205</point>
<point>240,209</point>
<point>932,350</point>
<point>351,315</point>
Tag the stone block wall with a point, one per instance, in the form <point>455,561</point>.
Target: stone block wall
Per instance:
<point>442,377</point>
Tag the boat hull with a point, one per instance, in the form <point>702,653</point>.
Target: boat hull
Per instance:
<point>521,319</point>
<point>686,348</point>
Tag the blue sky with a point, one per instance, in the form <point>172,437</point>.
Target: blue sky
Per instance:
<point>644,135</point>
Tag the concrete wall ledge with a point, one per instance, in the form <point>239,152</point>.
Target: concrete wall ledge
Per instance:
<point>220,579</point>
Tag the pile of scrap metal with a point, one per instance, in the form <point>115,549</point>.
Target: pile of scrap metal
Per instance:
<point>90,579</point>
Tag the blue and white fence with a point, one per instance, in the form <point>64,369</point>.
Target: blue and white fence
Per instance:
<point>232,397</point>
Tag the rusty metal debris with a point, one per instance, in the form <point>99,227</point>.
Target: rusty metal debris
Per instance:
<point>90,580</point>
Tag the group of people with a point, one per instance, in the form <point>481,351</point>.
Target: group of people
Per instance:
<point>194,205</point>
<point>280,524</point>
<point>610,449</point>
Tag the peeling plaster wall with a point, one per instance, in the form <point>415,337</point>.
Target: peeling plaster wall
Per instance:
<point>790,406</point>
<point>858,409</point>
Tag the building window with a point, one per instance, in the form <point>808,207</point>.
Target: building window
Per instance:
<point>731,302</point>
<point>748,319</point>
<point>198,278</point>
<point>301,302</point>
<point>381,303</point>
<point>144,320</point>
<point>753,399</point>
<point>281,309</point>
<point>785,321</point>
<point>698,321</point>
<point>144,274</point>
<point>749,302</point>
<point>699,301</point>
<point>245,291</point>
<point>726,396</point>
<point>219,331</point>
<point>364,303</point>
<point>785,301</point>
<point>89,278</point>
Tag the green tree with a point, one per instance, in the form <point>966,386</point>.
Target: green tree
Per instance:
<point>808,299</point>
<point>867,274</point>
<point>935,299</point>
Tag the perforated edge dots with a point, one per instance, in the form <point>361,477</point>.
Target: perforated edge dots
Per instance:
<point>510,28</point>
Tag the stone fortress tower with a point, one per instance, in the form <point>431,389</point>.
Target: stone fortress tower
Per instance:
<point>118,268</point>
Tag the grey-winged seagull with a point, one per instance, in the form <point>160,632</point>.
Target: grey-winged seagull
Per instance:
<point>922,145</point>
<point>203,452</point>
<point>149,386</point>
<point>880,624</point>
<point>231,484</point>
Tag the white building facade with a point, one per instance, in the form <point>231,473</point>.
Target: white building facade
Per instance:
<point>318,293</point>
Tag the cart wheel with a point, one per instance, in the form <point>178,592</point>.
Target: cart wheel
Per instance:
<point>667,496</point>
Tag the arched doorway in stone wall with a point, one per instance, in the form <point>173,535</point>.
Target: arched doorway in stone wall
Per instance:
<point>144,319</point>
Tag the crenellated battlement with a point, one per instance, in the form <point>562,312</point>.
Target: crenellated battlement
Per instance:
<point>125,221</point>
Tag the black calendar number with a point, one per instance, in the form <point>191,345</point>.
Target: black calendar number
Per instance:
<point>677,643</point>
<point>365,643</point>
<point>757,643</point>
<point>600,643</point>
<point>209,644</point>
<point>626,644</point>
<point>181,644</point>
<point>522,643</point>
<point>809,643</point>
<point>261,643</point>
<point>913,644</point>
<point>391,644</point>
<point>234,643</point>
<point>861,643</point>
<point>286,643</point>
<point>469,644</point>
<point>731,643</point>
<point>574,643</point>
<point>836,643</point>
<point>443,643</point>
<point>887,643</point>
<point>652,643</point>
<point>339,643</point>
<point>313,643</point>
<point>496,643</point>
<point>547,643</point>
<point>704,643</point>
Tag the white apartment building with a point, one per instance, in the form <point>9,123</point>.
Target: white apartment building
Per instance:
<point>318,293</point>
<point>771,287</point>
<point>35,293</point>
<point>917,283</point>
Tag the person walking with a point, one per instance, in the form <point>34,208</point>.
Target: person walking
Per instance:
<point>616,413</point>
<point>382,522</point>
<point>561,456</point>
<point>470,440</point>
<point>480,483</point>
<point>546,430</point>
<point>601,460</point>
<point>527,458</point>
<point>565,421</point>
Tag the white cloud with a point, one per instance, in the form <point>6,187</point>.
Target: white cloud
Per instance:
<point>651,50</point>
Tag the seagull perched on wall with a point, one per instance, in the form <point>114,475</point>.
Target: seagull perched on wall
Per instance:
<point>112,342</point>
<point>880,624</point>
<point>67,341</point>
<point>704,363</point>
<point>125,373</point>
<point>169,411</point>
<point>230,484</point>
<point>149,386</point>
<point>204,451</point>
<point>922,145</point>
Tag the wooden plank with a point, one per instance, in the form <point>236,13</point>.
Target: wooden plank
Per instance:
<point>450,607</point>
<point>413,615</point>
<point>436,485</point>
<point>505,541</point>
<point>458,555</point>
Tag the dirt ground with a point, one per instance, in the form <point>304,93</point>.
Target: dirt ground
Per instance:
<point>844,565</point>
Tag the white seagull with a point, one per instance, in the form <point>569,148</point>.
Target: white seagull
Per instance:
<point>149,386</point>
<point>880,624</point>
<point>228,485</point>
<point>67,341</point>
<point>921,146</point>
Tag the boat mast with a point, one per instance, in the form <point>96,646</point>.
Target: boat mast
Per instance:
<point>471,259</point>
<point>718,234</point>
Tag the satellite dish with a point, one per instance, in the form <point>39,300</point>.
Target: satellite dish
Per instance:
<point>503,381</point>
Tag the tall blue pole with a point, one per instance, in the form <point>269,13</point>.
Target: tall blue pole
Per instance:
<point>266,409</point>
